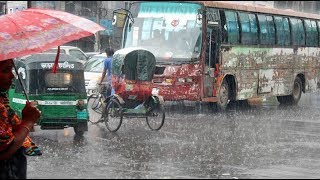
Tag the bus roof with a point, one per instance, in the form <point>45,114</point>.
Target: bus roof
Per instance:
<point>258,8</point>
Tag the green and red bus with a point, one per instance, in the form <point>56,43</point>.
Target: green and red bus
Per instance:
<point>222,52</point>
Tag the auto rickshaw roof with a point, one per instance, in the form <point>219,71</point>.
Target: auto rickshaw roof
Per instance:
<point>138,64</point>
<point>48,57</point>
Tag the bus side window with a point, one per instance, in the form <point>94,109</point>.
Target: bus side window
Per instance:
<point>224,37</point>
<point>314,33</point>
<point>318,28</point>
<point>311,32</point>
<point>283,31</point>
<point>267,30</point>
<point>298,34</point>
<point>249,29</point>
<point>253,28</point>
<point>232,27</point>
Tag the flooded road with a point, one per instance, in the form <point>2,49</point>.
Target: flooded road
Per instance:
<point>263,141</point>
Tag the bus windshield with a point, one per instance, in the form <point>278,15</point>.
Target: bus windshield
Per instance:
<point>171,30</point>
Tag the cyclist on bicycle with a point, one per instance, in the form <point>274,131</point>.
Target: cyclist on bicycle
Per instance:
<point>107,67</point>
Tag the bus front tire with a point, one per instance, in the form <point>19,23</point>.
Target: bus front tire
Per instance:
<point>223,98</point>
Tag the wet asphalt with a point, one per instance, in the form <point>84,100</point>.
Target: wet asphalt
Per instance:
<point>258,141</point>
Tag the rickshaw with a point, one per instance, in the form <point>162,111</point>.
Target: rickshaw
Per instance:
<point>61,97</point>
<point>132,72</point>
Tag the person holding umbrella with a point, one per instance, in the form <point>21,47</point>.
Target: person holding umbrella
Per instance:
<point>13,131</point>
<point>25,32</point>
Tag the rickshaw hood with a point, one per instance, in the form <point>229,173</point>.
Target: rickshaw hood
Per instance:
<point>137,63</point>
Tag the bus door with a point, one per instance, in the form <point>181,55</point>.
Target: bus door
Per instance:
<point>211,59</point>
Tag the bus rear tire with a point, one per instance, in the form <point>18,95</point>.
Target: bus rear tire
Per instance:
<point>294,98</point>
<point>224,94</point>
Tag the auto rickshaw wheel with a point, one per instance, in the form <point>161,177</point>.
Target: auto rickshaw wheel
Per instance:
<point>80,128</point>
<point>155,117</point>
<point>113,115</point>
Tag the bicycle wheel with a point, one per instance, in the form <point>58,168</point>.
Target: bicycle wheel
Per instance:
<point>95,104</point>
<point>155,118</point>
<point>113,116</point>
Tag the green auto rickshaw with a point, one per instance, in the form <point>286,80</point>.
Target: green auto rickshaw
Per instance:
<point>61,97</point>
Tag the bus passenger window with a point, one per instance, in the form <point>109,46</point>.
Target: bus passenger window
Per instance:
<point>232,27</point>
<point>287,35</point>
<point>245,28</point>
<point>298,35</point>
<point>267,31</point>
<point>283,31</point>
<point>253,28</point>
<point>314,33</point>
<point>311,32</point>
<point>249,28</point>
<point>318,25</point>
<point>271,29</point>
<point>224,37</point>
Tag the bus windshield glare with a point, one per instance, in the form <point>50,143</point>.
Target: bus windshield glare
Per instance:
<point>171,31</point>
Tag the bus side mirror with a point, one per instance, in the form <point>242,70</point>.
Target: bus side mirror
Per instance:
<point>114,20</point>
<point>120,16</point>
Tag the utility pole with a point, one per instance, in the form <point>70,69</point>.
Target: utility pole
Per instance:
<point>97,45</point>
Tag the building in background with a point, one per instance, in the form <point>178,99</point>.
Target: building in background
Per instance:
<point>101,13</point>
<point>97,11</point>
<point>12,6</point>
<point>302,6</point>
<point>3,6</point>
<point>258,3</point>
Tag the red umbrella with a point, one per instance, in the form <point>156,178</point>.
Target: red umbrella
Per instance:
<point>35,30</point>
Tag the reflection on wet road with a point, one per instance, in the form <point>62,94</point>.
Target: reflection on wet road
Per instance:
<point>265,141</point>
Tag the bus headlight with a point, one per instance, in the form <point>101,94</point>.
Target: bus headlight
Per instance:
<point>181,80</point>
<point>189,80</point>
<point>155,91</point>
<point>184,80</point>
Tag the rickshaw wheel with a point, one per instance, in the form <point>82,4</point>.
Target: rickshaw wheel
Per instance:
<point>155,118</point>
<point>95,102</point>
<point>113,116</point>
